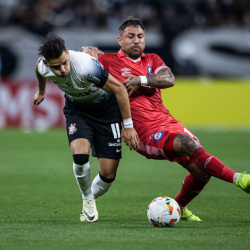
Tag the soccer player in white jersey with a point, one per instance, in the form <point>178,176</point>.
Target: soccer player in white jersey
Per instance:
<point>95,103</point>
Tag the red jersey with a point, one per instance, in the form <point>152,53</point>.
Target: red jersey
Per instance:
<point>146,104</point>
<point>152,121</point>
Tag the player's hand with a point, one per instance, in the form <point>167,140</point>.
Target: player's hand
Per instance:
<point>38,98</point>
<point>130,137</point>
<point>93,51</point>
<point>132,83</point>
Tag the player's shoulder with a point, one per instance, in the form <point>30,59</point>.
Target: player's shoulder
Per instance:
<point>79,56</point>
<point>43,69</point>
<point>82,60</point>
<point>107,56</point>
<point>152,56</point>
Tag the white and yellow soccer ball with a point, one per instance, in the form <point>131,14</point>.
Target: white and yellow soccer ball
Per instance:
<point>163,212</point>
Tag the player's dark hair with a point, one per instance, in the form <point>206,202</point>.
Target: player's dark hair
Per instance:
<point>131,21</point>
<point>52,46</point>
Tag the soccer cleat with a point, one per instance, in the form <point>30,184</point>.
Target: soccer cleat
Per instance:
<point>243,182</point>
<point>89,210</point>
<point>188,215</point>
<point>82,216</point>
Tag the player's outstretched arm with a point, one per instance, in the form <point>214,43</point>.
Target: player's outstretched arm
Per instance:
<point>162,79</point>
<point>129,135</point>
<point>40,94</point>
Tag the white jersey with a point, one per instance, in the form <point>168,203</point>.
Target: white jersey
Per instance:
<point>79,85</point>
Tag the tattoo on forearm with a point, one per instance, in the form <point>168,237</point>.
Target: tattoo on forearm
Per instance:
<point>163,79</point>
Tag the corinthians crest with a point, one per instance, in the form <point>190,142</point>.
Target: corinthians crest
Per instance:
<point>72,128</point>
<point>79,83</point>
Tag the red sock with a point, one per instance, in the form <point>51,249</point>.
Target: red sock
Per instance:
<point>189,190</point>
<point>211,165</point>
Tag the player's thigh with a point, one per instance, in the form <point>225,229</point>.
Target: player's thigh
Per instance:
<point>108,167</point>
<point>107,139</point>
<point>80,133</point>
<point>181,129</point>
<point>178,142</point>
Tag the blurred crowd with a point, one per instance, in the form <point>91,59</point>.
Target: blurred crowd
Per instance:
<point>169,16</point>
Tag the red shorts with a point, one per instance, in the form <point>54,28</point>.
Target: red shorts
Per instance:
<point>152,141</point>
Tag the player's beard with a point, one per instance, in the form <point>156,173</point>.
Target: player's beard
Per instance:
<point>135,52</point>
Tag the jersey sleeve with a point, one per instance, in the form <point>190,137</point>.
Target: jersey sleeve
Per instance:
<point>97,74</point>
<point>41,67</point>
<point>158,63</point>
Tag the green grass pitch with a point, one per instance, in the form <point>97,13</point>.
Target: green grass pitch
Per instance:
<point>40,201</point>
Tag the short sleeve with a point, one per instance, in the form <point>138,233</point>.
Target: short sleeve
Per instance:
<point>42,69</point>
<point>157,62</point>
<point>98,75</point>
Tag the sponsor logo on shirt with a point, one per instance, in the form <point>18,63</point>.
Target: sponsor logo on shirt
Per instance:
<point>125,70</point>
<point>72,128</point>
<point>79,95</point>
<point>150,70</point>
<point>158,135</point>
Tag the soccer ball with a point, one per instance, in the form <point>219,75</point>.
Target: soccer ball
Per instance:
<point>163,212</point>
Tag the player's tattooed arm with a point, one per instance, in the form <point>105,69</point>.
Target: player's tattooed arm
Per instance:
<point>132,83</point>
<point>163,79</point>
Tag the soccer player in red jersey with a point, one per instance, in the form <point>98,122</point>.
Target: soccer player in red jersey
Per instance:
<point>161,136</point>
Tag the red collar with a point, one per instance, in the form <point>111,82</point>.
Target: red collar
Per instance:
<point>121,54</point>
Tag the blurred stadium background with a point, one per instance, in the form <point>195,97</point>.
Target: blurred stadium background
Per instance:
<point>206,43</point>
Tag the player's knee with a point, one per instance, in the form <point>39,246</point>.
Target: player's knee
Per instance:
<point>80,159</point>
<point>185,145</point>
<point>107,178</point>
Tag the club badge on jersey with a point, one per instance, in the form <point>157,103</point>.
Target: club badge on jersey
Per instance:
<point>80,83</point>
<point>72,128</point>
<point>158,135</point>
<point>150,70</point>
